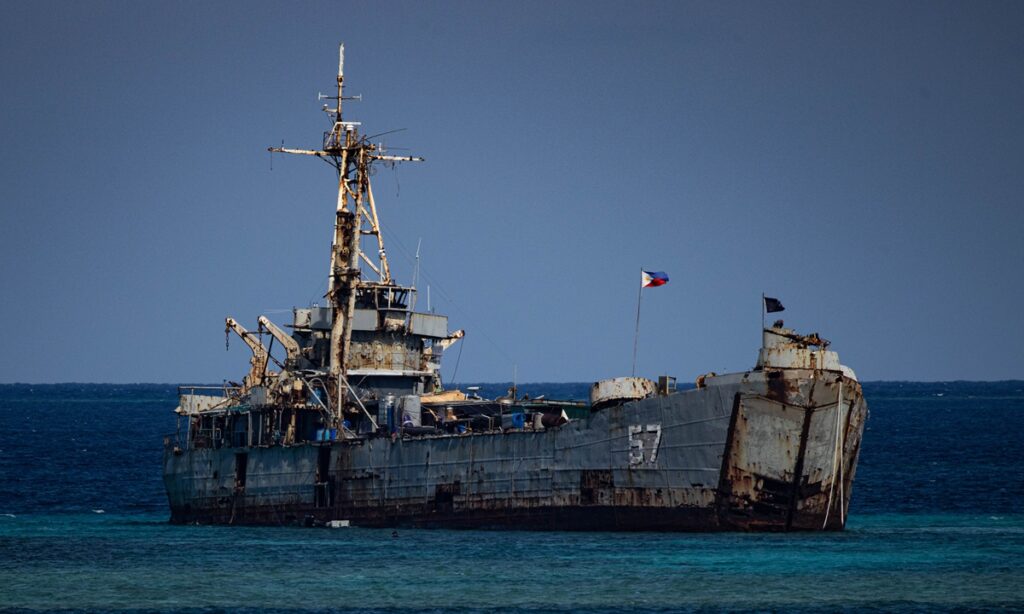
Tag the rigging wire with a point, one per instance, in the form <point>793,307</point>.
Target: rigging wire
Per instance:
<point>373,136</point>
<point>458,359</point>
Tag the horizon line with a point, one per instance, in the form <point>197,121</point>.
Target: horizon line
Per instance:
<point>506,382</point>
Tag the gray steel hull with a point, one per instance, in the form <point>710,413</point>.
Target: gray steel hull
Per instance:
<point>764,450</point>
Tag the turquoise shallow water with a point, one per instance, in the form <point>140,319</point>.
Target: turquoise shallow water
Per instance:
<point>110,562</point>
<point>935,525</point>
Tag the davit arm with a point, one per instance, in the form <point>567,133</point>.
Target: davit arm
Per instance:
<point>450,340</point>
<point>291,346</point>
<point>260,356</point>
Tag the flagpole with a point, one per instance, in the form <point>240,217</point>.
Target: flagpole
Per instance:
<point>636,333</point>
<point>762,315</point>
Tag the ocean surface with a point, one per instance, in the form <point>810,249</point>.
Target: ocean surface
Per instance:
<point>935,524</point>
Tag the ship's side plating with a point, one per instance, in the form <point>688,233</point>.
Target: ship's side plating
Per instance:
<point>768,449</point>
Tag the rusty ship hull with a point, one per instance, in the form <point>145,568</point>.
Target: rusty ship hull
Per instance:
<point>764,450</point>
<point>350,421</point>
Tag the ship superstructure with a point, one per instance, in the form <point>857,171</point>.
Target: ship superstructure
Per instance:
<point>353,424</point>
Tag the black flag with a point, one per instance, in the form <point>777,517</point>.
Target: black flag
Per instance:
<point>771,305</point>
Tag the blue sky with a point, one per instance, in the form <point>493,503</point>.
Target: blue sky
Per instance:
<point>860,161</point>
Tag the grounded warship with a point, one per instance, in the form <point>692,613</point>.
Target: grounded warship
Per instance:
<point>355,427</point>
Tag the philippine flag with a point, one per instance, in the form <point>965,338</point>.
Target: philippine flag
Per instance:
<point>651,279</point>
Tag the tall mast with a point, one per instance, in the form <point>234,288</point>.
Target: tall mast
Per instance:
<point>355,216</point>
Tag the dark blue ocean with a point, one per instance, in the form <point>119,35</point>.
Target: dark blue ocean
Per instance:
<point>935,524</point>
